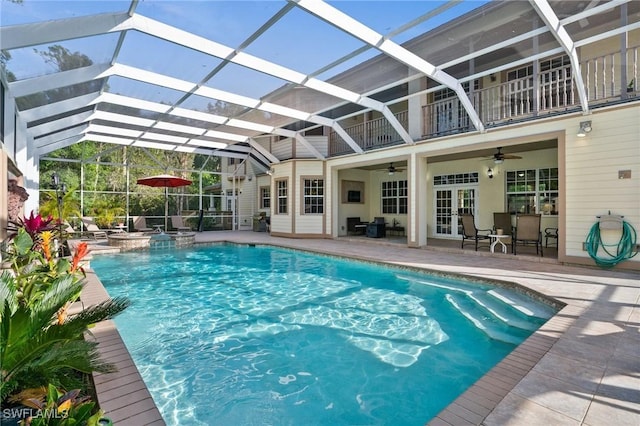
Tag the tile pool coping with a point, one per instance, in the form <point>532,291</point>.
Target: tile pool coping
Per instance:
<point>510,393</point>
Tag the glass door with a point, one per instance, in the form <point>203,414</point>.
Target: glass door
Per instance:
<point>450,202</point>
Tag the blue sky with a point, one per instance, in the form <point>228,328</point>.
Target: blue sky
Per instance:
<point>298,41</point>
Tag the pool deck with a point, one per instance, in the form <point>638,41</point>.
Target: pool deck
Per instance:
<point>581,368</point>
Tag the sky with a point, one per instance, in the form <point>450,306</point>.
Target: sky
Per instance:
<point>298,40</point>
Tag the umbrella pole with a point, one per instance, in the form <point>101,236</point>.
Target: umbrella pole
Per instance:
<point>166,207</point>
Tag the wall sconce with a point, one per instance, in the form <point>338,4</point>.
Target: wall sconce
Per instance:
<point>585,127</point>
<point>490,173</point>
<point>269,172</point>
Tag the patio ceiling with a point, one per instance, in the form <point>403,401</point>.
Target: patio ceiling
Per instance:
<point>215,77</point>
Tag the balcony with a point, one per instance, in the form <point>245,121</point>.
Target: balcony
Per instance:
<point>368,135</point>
<point>608,79</point>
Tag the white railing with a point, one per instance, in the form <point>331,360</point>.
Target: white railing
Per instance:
<point>370,134</point>
<point>607,78</point>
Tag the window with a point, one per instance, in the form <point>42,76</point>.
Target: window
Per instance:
<point>265,197</point>
<point>394,197</point>
<point>455,179</point>
<point>313,196</point>
<point>282,193</point>
<point>533,191</point>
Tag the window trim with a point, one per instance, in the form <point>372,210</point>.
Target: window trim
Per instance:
<point>262,198</point>
<point>538,192</point>
<point>280,197</point>
<point>304,196</point>
<point>397,197</point>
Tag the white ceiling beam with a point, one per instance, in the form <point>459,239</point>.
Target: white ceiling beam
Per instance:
<point>46,32</point>
<point>186,39</point>
<point>351,26</point>
<point>349,140</point>
<point>46,149</point>
<point>560,33</point>
<point>55,137</point>
<point>49,110</point>
<point>265,153</point>
<point>114,131</point>
<point>33,85</point>
<point>310,147</point>
<point>121,118</point>
<point>62,123</point>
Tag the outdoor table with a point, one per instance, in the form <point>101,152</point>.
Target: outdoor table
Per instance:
<point>495,239</point>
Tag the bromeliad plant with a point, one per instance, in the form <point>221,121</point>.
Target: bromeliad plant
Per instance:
<point>40,343</point>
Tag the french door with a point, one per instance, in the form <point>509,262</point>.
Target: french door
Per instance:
<point>449,203</point>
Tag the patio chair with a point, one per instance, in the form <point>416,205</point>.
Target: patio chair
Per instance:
<point>470,232</point>
<point>92,229</point>
<point>69,232</point>
<point>551,233</point>
<point>502,221</point>
<point>178,225</point>
<point>140,224</point>
<point>527,231</point>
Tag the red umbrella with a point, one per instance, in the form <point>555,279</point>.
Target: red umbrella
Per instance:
<point>166,181</point>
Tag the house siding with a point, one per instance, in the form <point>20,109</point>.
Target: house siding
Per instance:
<point>592,165</point>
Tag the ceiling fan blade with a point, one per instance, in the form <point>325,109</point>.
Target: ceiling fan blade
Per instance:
<point>511,157</point>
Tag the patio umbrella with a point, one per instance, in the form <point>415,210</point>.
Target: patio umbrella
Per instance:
<point>164,181</point>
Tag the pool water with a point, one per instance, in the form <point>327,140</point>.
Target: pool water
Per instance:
<point>252,335</point>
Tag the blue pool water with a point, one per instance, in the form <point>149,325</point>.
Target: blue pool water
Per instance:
<point>242,335</point>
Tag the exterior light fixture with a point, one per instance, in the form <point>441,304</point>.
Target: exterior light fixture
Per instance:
<point>585,127</point>
<point>490,173</point>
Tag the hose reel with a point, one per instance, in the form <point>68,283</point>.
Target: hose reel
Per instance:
<point>625,247</point>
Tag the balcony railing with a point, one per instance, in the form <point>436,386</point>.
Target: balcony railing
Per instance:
<point>550,92</point>
<point>369,134</point>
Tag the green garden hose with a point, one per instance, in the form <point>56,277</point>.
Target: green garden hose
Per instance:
<point>625,246</point>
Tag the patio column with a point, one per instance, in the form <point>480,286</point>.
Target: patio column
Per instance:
<point>417,218</point>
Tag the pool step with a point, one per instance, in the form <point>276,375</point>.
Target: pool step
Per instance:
<point>504,312</point>
<point>478,317</point>
<point>522,304</point>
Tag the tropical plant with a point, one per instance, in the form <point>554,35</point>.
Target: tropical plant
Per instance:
<point>105,212</point>
<point>70,205</point>
<point>39,342</point>
<point>58,408</point>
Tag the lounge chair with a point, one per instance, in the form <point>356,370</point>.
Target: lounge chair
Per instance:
<point>527,231</point>
<point>178,225</point>
<point>140,224</point>
<point>92,229</point>
<point>470,232</point>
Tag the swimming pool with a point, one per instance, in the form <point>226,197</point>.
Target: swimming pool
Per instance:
<point>244,335</point>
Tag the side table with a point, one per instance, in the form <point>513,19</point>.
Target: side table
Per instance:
<point>495,239</point>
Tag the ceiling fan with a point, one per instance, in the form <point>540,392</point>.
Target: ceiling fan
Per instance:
<point>393,169</point>
<point>499,156</point>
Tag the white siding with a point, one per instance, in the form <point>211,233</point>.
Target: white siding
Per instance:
<point>283,149</point>
<point>307,223</point>
<point>592,164</point>
<point>320,143</point>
